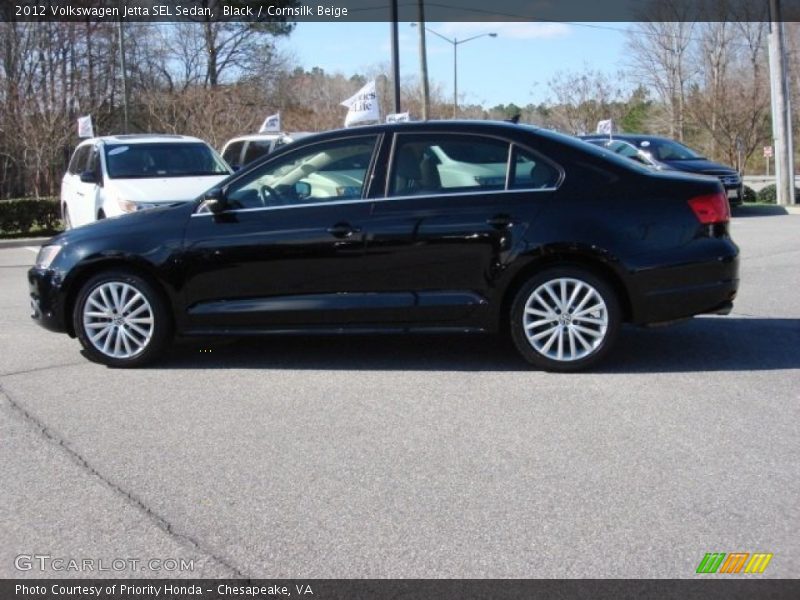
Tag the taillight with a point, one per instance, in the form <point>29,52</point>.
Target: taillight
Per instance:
<point>711,208</point>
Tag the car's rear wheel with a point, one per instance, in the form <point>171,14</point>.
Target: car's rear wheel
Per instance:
<point>121,320</point>
<point>565,319</point>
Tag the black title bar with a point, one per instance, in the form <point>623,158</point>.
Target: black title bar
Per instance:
<point>380,10</point>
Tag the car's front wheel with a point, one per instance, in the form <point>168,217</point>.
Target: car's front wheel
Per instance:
<point>565,319</point>
<point>121,320</point>
<point>65,217</point>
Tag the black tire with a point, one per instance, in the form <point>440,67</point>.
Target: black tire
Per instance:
<point>65,217</point>
<point>161,322</point>
<point>554,327</point>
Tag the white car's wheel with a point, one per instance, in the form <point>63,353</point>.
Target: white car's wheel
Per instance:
<point>65,217</point>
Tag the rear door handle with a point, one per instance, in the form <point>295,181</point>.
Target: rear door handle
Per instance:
<point>500,221</point>
<point>343,230</point>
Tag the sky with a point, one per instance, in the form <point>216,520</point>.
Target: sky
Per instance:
<point>513,67</point>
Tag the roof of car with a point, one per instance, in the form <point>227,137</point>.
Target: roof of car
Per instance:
<point>144,138</point>
<point>270,135</point>
<point>444,125</point>
<point>625,137</point>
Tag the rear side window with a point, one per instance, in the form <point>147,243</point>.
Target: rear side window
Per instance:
<point>233,154</point>
<point>531,171</point>
<point>447,163</point>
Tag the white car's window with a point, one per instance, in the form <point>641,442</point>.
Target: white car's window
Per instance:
<point>185,159</point>
<point>78,163</point>
<point>256,149</point>
<point>442,163</point>
<point>325,172</point>
<point>233,154</point>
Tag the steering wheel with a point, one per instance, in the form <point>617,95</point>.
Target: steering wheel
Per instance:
<point>267,193</point>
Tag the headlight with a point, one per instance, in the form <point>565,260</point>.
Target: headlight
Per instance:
<point>47,255</point>
<point>128,206</point>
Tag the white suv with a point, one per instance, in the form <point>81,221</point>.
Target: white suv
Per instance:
<point>244,149</point>
<point>114,175</point>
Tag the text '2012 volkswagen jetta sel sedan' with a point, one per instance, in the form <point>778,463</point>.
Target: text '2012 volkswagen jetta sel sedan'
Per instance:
<point>410,227</point>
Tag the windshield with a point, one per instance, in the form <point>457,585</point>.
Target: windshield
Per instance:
<point>668,150</point>
<point>184,159</point>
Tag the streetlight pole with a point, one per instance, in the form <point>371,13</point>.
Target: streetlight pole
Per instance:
<point>455,43</point>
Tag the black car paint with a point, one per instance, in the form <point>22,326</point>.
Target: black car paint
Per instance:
<point>438,263</point>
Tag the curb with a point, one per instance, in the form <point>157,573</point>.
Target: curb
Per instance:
<point>22,242</point>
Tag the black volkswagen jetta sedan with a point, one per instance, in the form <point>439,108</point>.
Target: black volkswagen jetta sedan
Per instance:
<point>410,227</point>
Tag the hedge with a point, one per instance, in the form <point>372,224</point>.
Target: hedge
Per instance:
<point>769,194</point>
<point>23,215</point>
<point>749,195</point>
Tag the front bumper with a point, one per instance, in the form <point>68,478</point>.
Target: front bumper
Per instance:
<point>46,299</point>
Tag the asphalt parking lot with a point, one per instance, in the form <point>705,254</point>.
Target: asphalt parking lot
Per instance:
<point>413,457</point>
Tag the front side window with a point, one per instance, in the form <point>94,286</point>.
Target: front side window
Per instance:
<point>186,159</point>
<point>78,163</point>
<point>447,163</point>
<point>326,172</point>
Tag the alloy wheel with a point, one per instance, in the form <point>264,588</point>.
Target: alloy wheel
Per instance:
<point>565,319</point>
<point>118,319</point>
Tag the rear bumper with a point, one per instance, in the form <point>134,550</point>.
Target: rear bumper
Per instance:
<point>712,298</point>
<point>46,299</point>
<point>704,285</point>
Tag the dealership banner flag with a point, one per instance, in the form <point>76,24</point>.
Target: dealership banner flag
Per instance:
<point>398,117</point>
<point>85,129</point>
<point>606,126</point>
<point>271,123</point>
<point>363,105</point>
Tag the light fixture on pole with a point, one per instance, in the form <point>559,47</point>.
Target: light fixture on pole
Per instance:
<point>456,43</point>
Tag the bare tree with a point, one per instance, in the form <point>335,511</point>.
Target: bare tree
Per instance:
<point>583,98</point>
<point>660,51</point>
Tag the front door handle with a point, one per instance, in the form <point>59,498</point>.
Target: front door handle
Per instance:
<point>343,230</point>
<point>500,221</point>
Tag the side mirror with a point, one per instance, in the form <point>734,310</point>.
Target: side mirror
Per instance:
<point>88,177</point>
<point>302,189</point>
<point>214,200</point>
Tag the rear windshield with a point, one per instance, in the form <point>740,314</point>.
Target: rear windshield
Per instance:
<point>186,159</point>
